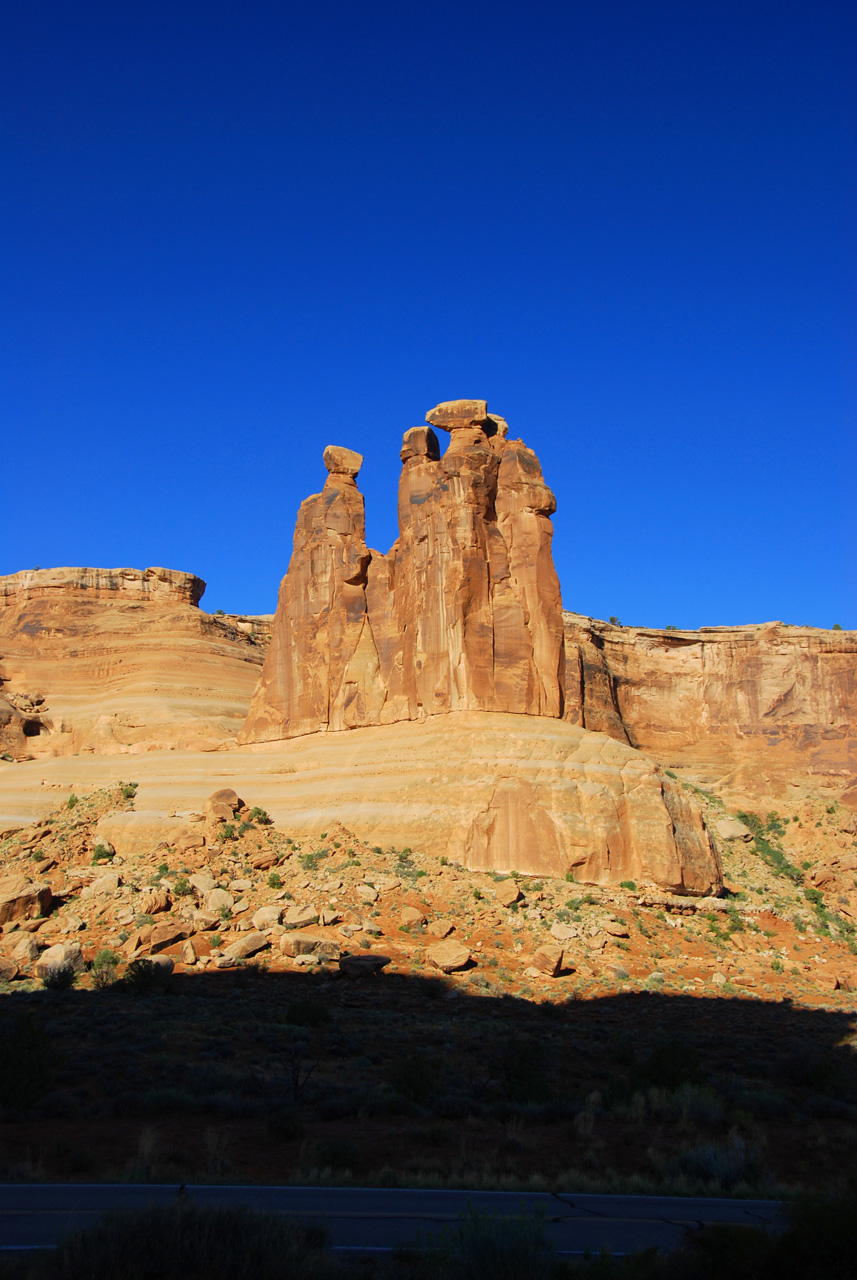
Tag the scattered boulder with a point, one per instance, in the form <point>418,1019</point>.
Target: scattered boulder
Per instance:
<point>507,892</point>
<point>267,917</point>
<point>204,921</point>
<point>202,881</point>
<point>449,955</point>
<point>189,956</point>
<point>166,935</point>
<point>108,883</point>
<point>25,950</point>
<point>65,955</point>
<point>154,902</point>
<point>616,930</point>
<point>299,917</point>
<point>439,928</point>
<point>412,915</point>
<point>328,916</point>
<point>8,969</point>
<point>264,861</point>
<point>367,893</point>
<point>302,944</point>
<point>247,946</point>
<point>548,959</point>
<point>362,966</point>
<point>193,840</point>
<point>563,932</point>
<point>218,900</point>
<point>732,829</point>
<point>617,971</point>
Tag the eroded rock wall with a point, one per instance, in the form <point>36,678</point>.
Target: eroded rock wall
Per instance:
<point>752,704</point>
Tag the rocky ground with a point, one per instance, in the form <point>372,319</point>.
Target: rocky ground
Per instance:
<point>343,1007</point>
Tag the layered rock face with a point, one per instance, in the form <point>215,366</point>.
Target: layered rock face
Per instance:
<point>115,660</point>
<point>491,791</point>
<point>463,613</point>
<point>754,706</point>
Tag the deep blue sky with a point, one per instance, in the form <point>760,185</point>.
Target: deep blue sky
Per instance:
<point>234,233</point>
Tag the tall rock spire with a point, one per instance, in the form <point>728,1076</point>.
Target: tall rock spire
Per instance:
<point>464,612</point>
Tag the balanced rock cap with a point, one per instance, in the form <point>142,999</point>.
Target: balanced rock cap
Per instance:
<point>342,462</point>
<point>451,415</point>
<point>420,442</point>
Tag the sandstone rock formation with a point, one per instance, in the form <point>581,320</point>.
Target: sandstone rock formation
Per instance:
<point>753,706</point>
<point>116,660</point>
<point>463,613</point>
<point>489,790</point>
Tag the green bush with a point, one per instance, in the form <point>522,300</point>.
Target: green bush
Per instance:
<point>61,977</point>
<point>129,791</point>
<point>72,800</point>
<point>275,880</point>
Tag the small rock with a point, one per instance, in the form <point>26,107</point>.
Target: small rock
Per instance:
<point>439,928</point>
<point>327,916</point>
<point>72,923</point>
<point>366,893</point>
<point>189,955</point>
<point>224,962</point>
<point>719,979</point>
<point>616,930</point>
<point>617,971</point>
<point>8,969</point>
<point>411,915</point>
<point>563,932</point>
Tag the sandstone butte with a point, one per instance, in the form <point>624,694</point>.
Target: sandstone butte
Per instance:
<point>117,660</point>
<point>487,724</point>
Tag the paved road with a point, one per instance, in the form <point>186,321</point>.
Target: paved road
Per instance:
<point>33,1216</point>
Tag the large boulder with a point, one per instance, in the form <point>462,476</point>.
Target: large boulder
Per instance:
<point>20,899</point>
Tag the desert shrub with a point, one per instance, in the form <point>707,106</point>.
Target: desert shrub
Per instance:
<point>671,1063</point>
<point>72,801</point>
<point>414,1076</point>
<point>523,1069</point>
<point>143,977</point>
<point>275,880</point>
<point>182,887</point>
<point>129,791</point>
<point>485,1247</point>
<point>260,816</point>
<point>723,1163</point>
<point>285,1123</point>
<point>307,1013</point>
<point>183,1242</point>
<point>25,1061</point>
<point>60,977</point>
